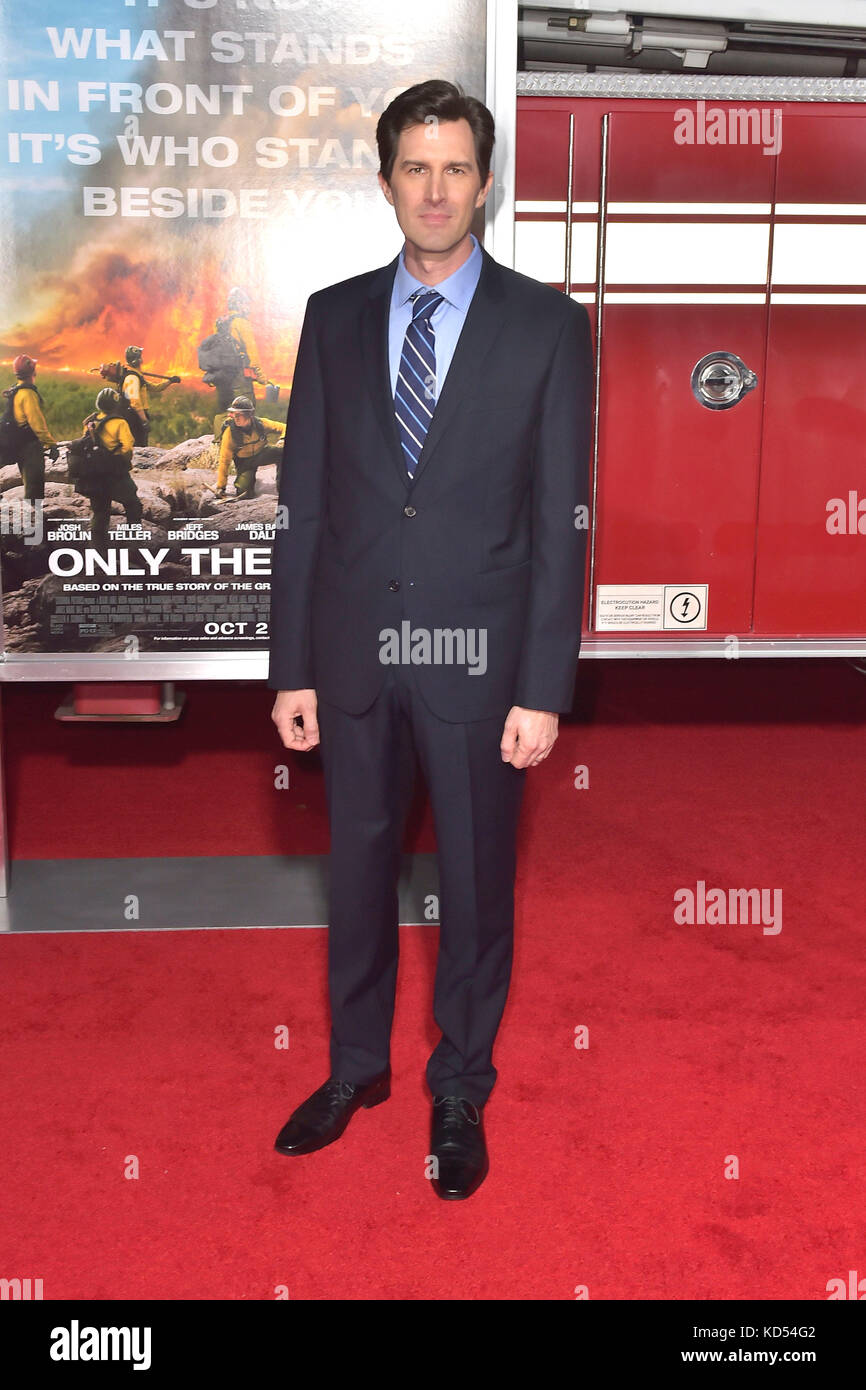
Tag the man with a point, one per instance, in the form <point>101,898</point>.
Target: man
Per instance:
<point>135,391</point>
<point>435,460</point>
<point>244,443</point>
<point>32,437</point>
<point>248,369</point>
<point>106,475</point>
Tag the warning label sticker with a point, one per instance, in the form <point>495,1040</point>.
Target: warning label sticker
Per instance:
<point>643,607</point>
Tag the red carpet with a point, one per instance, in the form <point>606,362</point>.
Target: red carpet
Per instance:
<point>607,1164</point>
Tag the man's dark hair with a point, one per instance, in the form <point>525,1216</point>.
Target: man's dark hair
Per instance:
<point>445,102</point>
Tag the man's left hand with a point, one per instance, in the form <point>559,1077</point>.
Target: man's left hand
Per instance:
<point>528,736</point>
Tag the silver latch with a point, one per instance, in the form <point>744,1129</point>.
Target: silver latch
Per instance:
<point>721,379</point>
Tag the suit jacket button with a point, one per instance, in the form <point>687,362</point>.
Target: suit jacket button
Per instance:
<point>408,511</point>
<point>393,585</point>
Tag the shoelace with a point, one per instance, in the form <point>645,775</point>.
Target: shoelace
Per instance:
<point>334,1089</point>
<point>454,1109</point>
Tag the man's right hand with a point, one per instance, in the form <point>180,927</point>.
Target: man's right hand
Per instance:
<point>292,704</point>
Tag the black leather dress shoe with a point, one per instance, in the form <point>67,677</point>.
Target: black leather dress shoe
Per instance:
<point>457,1143</point>
<point>324,1115</point>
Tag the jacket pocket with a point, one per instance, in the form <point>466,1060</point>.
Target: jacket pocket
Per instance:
<point>494,585</point>
<point>330,573</point>
<point>499,405</point>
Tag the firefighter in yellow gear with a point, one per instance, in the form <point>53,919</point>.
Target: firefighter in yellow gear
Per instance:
<point>110,479</point>
<point>238,306</point>
<point>34,438</point>
<point>244,442</point>
<point>136,391</point>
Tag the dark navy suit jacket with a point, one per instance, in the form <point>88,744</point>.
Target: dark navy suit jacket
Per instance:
<point>484,538</point>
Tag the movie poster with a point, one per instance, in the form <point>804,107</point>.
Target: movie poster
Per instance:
<point>177,177</point>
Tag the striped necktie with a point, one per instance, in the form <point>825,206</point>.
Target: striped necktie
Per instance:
<point>415,396</point>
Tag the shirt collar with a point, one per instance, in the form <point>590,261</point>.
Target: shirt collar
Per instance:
<point>458,288</point>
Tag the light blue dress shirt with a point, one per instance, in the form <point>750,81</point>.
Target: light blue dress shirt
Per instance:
<point>447,318</point>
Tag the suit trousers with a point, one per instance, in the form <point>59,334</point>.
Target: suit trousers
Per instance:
<point>369,765</point>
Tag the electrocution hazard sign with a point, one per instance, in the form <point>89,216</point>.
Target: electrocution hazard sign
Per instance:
<point>643,607</point>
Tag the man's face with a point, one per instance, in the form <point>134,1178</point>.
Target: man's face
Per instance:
<point>244,421</point>
<point>436,184</point>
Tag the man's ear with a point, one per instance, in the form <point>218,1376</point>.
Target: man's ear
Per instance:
<point>484,190</point>
<point>386,188</point>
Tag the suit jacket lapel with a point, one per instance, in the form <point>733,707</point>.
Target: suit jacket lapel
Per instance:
<point>483,320</point>
<point>375,357</point>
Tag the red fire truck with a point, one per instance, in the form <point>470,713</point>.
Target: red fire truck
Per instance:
<point>714,223</point>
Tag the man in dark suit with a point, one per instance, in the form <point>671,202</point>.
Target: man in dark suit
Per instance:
<point>427,595</point>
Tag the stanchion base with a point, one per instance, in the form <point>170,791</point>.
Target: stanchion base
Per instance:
<point>129,702</point>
